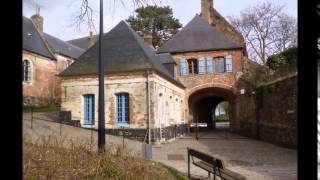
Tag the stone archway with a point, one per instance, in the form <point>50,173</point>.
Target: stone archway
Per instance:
<point>202,100</point>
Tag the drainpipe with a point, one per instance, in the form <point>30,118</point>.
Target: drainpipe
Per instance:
<point>148,104</point>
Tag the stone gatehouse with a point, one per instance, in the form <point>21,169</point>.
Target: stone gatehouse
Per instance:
<point>184,80</point>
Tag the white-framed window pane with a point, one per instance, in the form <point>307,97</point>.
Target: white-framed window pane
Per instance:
<point>26,71</point>
<point>122,108</point>
<point>219,65</point>
<point>229,63</point>
<point>202,65</point>
<point>183,67</point>
<point>209,65</point>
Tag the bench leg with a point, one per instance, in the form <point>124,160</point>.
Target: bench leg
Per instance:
<point>209,175</point>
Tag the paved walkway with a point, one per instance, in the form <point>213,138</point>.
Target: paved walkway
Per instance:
<point>254,159</point>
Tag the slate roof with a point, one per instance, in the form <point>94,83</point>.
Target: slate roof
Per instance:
<point>63,48</point>
<point>198,35</point>
<point>32,40</point>
<point>123,51</point>
<point>83,42</point>
<point>165,58</point>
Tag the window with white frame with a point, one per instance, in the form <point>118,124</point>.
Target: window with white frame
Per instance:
<point>202,65</point>
<point>229,63</point>
<point>219,65</point>
<point>183,67</point>
<point>26,71</point>
<point>122,107</point>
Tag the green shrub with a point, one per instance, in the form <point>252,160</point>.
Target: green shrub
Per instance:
<point>222,118</point>
<point>285,59</point>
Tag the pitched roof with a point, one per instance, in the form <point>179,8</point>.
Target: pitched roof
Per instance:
<point>165,58</point>
<point>83,42</point>
<point>32,40</point>
<point>63,48</point>
<point>198,35</point>
<point>123,51</point>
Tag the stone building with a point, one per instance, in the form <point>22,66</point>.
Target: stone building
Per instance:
<point>185,79</point>
<point>138,87</point>
<point>43,57</point>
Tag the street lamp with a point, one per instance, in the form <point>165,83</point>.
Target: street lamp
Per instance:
<point>101,119</point>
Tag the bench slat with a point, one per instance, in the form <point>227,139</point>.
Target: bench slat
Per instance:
<point>231,175</point>
<point>204,165</point>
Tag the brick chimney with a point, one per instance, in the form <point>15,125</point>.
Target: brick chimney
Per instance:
<point>206,7</point>
<point>38,20</point>
<point>90,39</point>
<point>148,39</point>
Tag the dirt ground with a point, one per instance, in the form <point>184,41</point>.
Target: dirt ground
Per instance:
<point>254,159</point>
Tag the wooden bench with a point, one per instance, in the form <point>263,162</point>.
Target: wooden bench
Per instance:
<point>211,164</point>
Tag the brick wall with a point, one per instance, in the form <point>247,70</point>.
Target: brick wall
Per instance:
<point>44,88</point>
<point>41,90</point>
<point>270,114</point>
<point>228,79</point>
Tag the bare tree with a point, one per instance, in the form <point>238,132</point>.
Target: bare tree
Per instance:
<point>266,29</point>
<point>285,33</point>
<point>85,14</point>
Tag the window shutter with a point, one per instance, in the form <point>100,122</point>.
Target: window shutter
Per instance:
<point>182,67</point>
<point>209,65</point>
<point>229,63</point>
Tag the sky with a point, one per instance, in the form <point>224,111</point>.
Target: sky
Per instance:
<point>58,14</point>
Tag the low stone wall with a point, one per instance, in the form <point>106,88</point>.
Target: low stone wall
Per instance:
<point>39,101</point>
<point>269,113</point>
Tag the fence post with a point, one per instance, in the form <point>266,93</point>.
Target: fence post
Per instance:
<point>188,163</point>
<point>91,139</point>
<point>197,128</point>
<point>31,109</point>
<point>122,138</point>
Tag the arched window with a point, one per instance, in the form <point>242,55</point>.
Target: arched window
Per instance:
<point>26,71</point>
<point>122,107</point>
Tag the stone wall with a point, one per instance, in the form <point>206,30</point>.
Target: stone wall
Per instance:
<point>62,63</point>
<point>270,114</point>
<point>166,112</point>
<point>41,90</point>
<point>44,88</point>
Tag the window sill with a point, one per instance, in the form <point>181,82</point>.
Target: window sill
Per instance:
<point>122,125</point>
<point>215,73</point>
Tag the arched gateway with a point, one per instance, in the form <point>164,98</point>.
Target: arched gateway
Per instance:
<point>203,100</point>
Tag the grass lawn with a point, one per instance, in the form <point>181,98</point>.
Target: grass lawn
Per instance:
<point>222,118</point>
<point>51,160</point>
